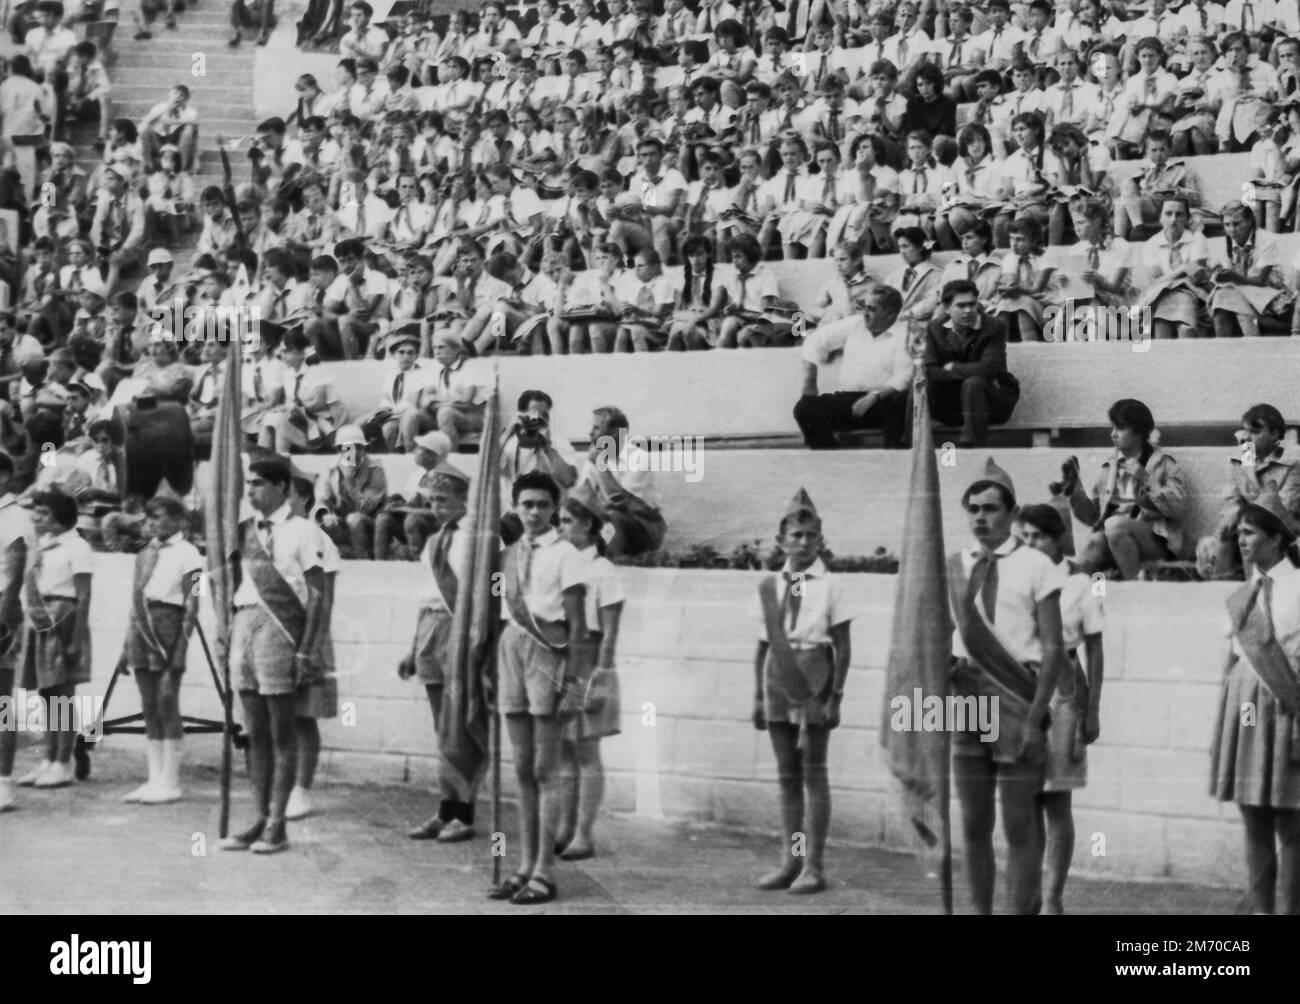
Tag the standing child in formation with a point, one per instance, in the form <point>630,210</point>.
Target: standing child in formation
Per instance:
<point>1008,649</point>
<point>279,608</point>
<point>319,700</point>
<point>538,683</point>
<point>431,648</point>
<point>800,667</point>
<point>56,636</point>
<point>1255,755</point>
<point>1076,705</point>
<point>581,770</point>
<point>164,610</point>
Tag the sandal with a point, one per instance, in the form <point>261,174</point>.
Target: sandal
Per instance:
<point>509,888</point>
<point>529,895</point>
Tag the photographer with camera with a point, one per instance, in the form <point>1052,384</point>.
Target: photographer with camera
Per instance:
<point>527,447</point>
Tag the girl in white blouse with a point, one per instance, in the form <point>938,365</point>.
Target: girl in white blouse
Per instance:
<point>581,771</point>
<point>977,183</point>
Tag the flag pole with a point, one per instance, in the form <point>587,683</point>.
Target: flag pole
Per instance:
<point>494,711</point>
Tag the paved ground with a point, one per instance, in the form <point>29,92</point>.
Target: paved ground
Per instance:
<point>81,850</point>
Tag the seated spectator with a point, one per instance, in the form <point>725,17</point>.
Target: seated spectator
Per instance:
<point>401,390</point>
<point>1095,277</point>
<point>965,361</point>
<point>917,277</point>
<point>407,517</point>
<point>161,374</point>
<point>1262,461</point>
<point>1179,261</point>
<point>311,412</point>
<point>976,262</point>
<point>751,291</point>
<point>207,393</point>
<point>170,206</point>
<point>173,122</point>
<point>1084,166</point>
<point>977,187</point>
<point>63,202</point>
<point>452,399</point>
<point>88,92</point>
<point>618,476</point>
<point>352,492</point>
<point>1142,196</point>
<point>1248,283</point>
<point>695,320</point>
<point>644,299</point>
<point>1138,504</point>
<point>874,378</point>
<point>837,297</point>
<point>1028,283</point>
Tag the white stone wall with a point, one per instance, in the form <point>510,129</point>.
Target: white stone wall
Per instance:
<point>687,648</point>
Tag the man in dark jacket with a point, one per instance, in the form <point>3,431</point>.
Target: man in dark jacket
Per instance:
<point>966,366</point>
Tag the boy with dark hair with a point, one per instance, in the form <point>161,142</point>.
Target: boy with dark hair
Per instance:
<point>544,618</point>
<point>279,610</point>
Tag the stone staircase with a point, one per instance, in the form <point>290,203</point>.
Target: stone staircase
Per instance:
<point>141,73</point>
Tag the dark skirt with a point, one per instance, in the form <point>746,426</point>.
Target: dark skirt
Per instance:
<point>44,660</point>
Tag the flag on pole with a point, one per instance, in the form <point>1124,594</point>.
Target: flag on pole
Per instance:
<point>463,722</point>
<point>221,524</point>
<point>920,649</point>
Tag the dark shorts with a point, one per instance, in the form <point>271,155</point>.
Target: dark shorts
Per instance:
<point>45,659</point>
<point>167,624</point>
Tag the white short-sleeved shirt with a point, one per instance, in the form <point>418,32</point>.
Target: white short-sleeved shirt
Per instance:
<point>1025,576</point>
<point>62,556</point>
<point>869,361</point>
<point>430,597</point>
<point>760,283</point>
<point>604,585</point>
<point>15,526</point>
<point>373,283</point>
<point>628,288</point>
<point>1156,252</point>
<point>295,550</point>
<point>1285,608</point>
<point>555,567</point>
<point>177,558</point>
<point>822,606</point>
<point>1081,611</point>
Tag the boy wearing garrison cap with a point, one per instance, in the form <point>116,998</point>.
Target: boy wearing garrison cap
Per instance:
<point>1008,652</point>
<point>431,649</point>
<point>800,668</point>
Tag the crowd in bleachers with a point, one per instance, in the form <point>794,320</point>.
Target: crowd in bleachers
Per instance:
<point>550,180</point>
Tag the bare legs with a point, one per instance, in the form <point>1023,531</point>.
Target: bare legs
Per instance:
<point>805,807</point>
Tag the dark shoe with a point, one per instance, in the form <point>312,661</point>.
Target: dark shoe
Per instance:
<point>235,40</point>
<point>143,36</point>
<point>263,38</point>
<point>780,879</point>
<point>428,830</point>
<point>171,22</point>
<point>530,895</point>
<point>509,888</point>
<point>270,846</point>
<point>455,831</point>
<point>242,841</point>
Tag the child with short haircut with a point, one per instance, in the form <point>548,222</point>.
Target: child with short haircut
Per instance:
<point>750,291</point>
<point>56,634</point>
<point>1142,195</point>
<point>431,647</point>
<point>836,297</point>
<point>800,668</point>
<point>164,610</point>
<point>1026,284</point>
<point>1150,90</point>
<point>921,185</point>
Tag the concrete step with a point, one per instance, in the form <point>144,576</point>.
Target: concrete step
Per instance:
<point>208,111</point>
<point>141,90</point>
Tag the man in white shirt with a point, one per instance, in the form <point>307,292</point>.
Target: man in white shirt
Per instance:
<point>17,547</point>
<point>311,411</point>
<point>353,302</point>
<point>618,477</point>
<point>278,613</point>
<point>1005,599</point>
<point>875,373</point>
<point>649,212</point>
<point>451,400</point>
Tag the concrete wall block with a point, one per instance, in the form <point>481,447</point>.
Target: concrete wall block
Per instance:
<point>1192,712</point>
<point>857,817</point>
<point>857,760</point>
<point>1121,844</point>
<point>1166,782</point>
<point>1135,714</point>
<point>679,687</point>
<point>1207,851</point>
<point>710,748</point>
<point>747,804</point>
<point>684,795</point>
